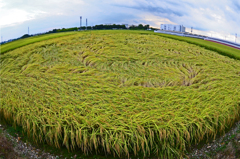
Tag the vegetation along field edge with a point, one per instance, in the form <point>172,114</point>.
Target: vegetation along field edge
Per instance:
<point>221,49</point>
<point>22,42</point>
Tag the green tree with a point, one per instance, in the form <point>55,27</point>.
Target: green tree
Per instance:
<point>140,26</point>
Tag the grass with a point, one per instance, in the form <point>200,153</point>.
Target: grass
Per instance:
<point>221,49</point>
<point>22,42</point>
<point>119,92</point>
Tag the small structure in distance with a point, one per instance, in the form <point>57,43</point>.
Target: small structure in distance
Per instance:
<point>126,25</point>
<point>171,27</point>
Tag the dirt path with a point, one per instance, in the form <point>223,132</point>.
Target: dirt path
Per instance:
<point>13,148</point>
<point>225,147</point>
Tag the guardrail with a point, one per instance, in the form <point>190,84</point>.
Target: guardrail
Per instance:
<point>181,34</point>
<point>224,42</point>
<point>216,40</point>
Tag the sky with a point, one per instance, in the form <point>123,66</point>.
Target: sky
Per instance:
<point>216,18</point>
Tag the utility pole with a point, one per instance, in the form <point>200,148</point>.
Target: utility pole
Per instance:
<point>28,30</point>
<point>80,22</point>
<point>86,24</point>
<point>191,29</point>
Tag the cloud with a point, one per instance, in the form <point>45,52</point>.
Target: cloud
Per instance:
<point>236,5</point>
<point>16,16</point>
<point>206,15</point>
<point>152,9</point>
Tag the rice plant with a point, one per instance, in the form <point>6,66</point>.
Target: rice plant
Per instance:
<point>121,93</point>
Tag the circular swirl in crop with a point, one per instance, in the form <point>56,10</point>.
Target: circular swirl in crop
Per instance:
<point>120,92</point>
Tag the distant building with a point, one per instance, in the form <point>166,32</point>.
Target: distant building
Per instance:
<point>126,25</point>
<point>171,27</point>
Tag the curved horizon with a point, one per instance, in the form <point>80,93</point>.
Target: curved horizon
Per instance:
<point>212,18</point>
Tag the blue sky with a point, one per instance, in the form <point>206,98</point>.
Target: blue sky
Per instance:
<point>217,18</point>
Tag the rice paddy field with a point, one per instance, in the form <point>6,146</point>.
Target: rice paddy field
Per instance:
<point>121,93</point>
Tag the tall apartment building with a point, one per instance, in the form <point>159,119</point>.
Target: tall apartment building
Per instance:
<point>171,27</point>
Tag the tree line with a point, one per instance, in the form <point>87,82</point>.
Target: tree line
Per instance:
<point>103,27</point>
<point>96,27</point>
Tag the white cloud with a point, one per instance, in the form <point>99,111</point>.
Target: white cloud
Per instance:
<point>16,16</point>
<point>220,16</point>
<point>19,11</point>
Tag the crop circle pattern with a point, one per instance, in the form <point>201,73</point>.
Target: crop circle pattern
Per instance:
<point>119,93</point>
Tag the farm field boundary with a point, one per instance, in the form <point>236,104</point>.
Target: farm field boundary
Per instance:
<point>219,48</point>
<point>22,42</point>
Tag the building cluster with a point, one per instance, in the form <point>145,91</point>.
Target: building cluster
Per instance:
<point>171,27</point>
